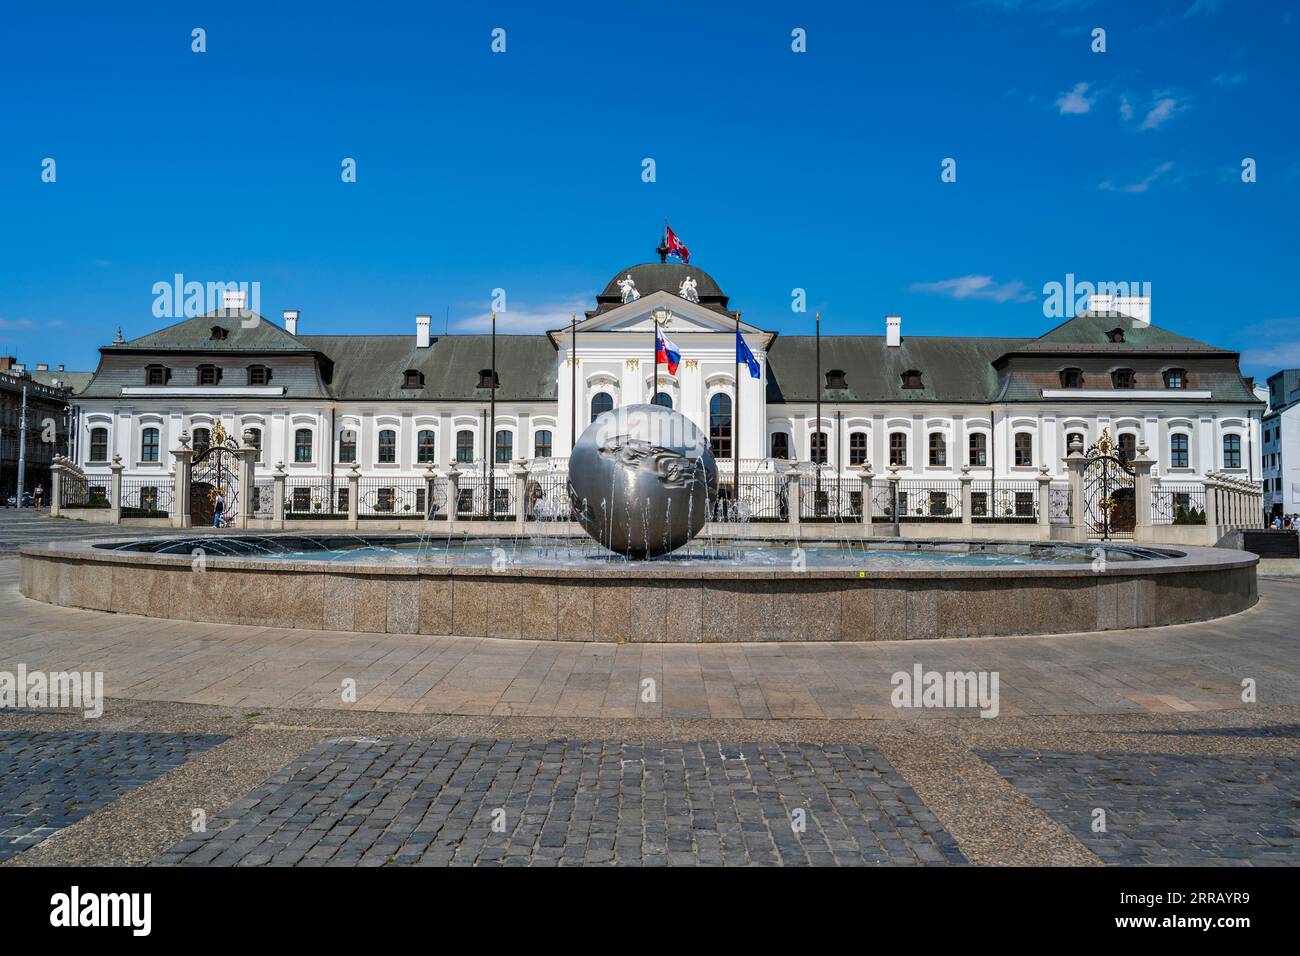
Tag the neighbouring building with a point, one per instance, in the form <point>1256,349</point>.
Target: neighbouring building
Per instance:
<point>1281,463</point>
<point>50,411</point>
<point>921,406</point>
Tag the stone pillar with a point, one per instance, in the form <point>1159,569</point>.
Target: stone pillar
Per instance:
<point>354,496</point>
<point>1075,462</point>
<point>1044,501</point>
<point>1142,494</point>
<point>967,519</point>
<point>247,478</point>
<point>1211,504</point>
<point>56,485</point>
<point>115,491</point>
<point>520,476</point>
<point>793,492</point>
<point>868,479</point>
<point>277,506</point>
<point>430,494</point>
<point>181,458</point>
<point>453,497</point>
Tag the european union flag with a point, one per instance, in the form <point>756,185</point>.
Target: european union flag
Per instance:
<point>743,354</point>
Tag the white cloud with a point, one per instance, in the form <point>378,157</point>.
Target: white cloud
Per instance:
<point>1203,7</point>
<point>1075,101</point>
<point>540,319</point>
<point>1229,79</point>
<point>1163,109</point>
<point>1141,185</point>
<point>1125,109</point>
<point>18,324</point>
<point>977,287</point>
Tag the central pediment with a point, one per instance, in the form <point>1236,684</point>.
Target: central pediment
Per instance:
<point>673,313</point>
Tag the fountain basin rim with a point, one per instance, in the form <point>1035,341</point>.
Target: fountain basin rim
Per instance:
<point>1180,559</point>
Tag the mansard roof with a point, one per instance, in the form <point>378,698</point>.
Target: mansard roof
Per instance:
<point>662,277</point>
<point>953,369</point>
<point>256,334</point>
<point>1091,330</point>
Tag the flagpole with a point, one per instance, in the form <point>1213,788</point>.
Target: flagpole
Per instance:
<point>492,428</point>
<point>655,317</point>
<point>573,382</point>
<point>735,443</point>
<point>817,424</point>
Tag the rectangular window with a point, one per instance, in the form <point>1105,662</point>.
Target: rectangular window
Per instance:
<point>387,447</point>
<point>938,450</point>
<point>347,447</point>
<point>302,499</point>
<point>858,448</point>
<point>99,444</point>
<point>465,447</point>
<point>149,445</point>
<point>898,449</point>
<point>542,445</point>
<point>819,447</point>
<point>1231,451</point>
<point>979,504</point>
<point>1178,456</point>
<point>1024,504</point>
<point>978,450</point>
<point>1024,449</point>
<point>505,447</point>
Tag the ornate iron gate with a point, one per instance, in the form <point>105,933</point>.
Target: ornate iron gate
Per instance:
<point>1109,496</point>
<point>214,473</point>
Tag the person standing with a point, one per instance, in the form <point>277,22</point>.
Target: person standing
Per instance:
<point>37,495</point>
<point>218,507</point>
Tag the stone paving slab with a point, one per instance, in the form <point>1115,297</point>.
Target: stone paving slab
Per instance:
<point>1166,809</point>
<point>49,781</point>
<point>365,801</point>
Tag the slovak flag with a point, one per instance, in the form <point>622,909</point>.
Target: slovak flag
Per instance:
<point>675,246</point>
<point>667,354</point>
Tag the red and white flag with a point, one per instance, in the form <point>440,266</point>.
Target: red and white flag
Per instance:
<point>675,246</point>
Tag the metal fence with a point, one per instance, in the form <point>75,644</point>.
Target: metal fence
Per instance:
<point>1178,503</point>
<point>761,498</point>
<point>1005,502</point>
<point>546,496</point>
<point>1060,503</point>
<point>313,498</point>
<point>831,498</point>
<point>473,496</point>
<point>262,500</point>
<point>923,500</point>
<point>148,497</point>
<point>76,491</point>
<point>390,498</point>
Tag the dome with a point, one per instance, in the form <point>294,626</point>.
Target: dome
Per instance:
<point>663,277</point>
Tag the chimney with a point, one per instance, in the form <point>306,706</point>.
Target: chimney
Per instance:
<point>422,331</point>
<point>291,321</point>
<point>42,366</point>
<point>233,300</point>
<point>1136,307</point>
<point>6,362</point>
<point>60,368</point>
<point>893,330</point>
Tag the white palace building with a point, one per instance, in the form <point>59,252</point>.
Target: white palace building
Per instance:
<point>928,411</point>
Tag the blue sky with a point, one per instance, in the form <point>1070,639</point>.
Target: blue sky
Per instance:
<point>522,170</point>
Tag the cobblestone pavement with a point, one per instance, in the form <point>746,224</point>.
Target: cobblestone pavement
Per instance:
<point>1167,809</point>
<point>48,781</point>
<point>371,802</point>
<point>22,526</point>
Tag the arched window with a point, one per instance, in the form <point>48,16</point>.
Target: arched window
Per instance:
<point>1178,451</point>
<point>898,448</point>
<point>781,446</point>
<point>426,447</point>
<point>387,446</point>
<point>542,444</point>
<point>256,433</point>
<point>979,449</point>
<point>465,447</point>
<point>347,446</point>
<point>302,445</point>
<point>1231,451</point>
<point>938,450</point>
<point>1024,447</point>
<point>98,444</point>
<point>202,439</point>
<point>1071,378</point>
<point>818,442</point>
<point>662,399</point>
<point>149,444</point>
<point>1127,446</point>
<point>857,448</point>
<point>505,447</point>
<point>601,403</point>
<point>720,425</point>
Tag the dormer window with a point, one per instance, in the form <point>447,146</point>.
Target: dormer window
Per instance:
<point>912,379</point>
<point>259,375</point>
<point>1071,378</point>
<point>157,374</point>
<point>835,378</point>
<point>1122,378</point>
<point>487,378</point>
<point>1175,378</point>
<point>209,375</point>
<point>1115,335</point>
<point>219,334</point>
<point>412,378</point>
